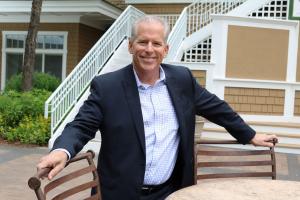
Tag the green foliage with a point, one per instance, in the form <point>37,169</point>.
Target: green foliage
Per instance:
<point>14,83</point>
<point>15,105</point>
<point>18,109</point>
<point>21,112</point>
<point>45,81</point>
<point>41,81</point>
<point>30,131</point>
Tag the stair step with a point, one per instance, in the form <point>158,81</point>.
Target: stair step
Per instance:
<point>279,145</point>
<point>292,146</point>
<point>258,123</point>
<point>275,124</point>
<point>222,130</point>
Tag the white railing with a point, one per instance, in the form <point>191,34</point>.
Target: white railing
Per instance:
<point>276,9</point>
<point>199,12</point>
<point>67,94</point>
<point>177,34</point>
<point>193,18</point>
<point>170,18</point>
<point>201,52</point>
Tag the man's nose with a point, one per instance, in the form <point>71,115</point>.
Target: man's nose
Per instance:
<point>149,46</point>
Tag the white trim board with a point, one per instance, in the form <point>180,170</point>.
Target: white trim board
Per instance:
<point>79,7</point>
<point>157,1</point>
<point>165,1</point>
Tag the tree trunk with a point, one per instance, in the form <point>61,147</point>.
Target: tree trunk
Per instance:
<point>30,45</point>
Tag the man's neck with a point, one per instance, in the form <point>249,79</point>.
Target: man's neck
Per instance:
<point>148,77</point>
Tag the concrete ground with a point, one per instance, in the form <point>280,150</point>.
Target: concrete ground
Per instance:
<point>17,164</point>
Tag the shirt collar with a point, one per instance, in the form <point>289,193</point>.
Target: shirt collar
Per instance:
<point>162,78</point>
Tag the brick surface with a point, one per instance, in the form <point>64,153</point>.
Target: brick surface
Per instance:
<point>18,164</point>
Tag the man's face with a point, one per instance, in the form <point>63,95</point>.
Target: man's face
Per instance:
<point>148,48</point>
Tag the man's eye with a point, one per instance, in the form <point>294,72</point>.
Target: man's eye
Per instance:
<point>157,44</point>
<point>142,42</point>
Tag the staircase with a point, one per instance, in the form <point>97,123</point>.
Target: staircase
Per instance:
<point>107,54</point>
<point>195,44</point>
<point>187,35</point>
<point>120,57</point>
<point>288,134</point>
<point>191,30</point>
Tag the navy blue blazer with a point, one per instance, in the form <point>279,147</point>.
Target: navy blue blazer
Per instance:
<point>113,107</point>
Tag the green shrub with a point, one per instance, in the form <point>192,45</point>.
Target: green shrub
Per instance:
<point>2,127</point>
<point>45,81</point>
<point>5,101</point>
<point>41,81</point>
<point>30,131</point>
<point>21,113</point>
<point>14,83</point>
<point>14,106</point>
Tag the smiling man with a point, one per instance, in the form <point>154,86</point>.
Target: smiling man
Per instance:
<point>146,115</point>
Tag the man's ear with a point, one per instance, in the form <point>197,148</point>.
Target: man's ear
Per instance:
<point>130,47</point>
<point>166,50</point>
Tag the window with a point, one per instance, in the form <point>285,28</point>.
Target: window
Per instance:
<point>51,52</point>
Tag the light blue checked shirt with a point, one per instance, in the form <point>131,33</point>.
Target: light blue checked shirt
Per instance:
<point>161,130</point>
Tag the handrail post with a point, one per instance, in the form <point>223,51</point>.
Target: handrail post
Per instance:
<point>80,77</point>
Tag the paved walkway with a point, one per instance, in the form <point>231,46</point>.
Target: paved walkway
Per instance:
<point>17,164</point>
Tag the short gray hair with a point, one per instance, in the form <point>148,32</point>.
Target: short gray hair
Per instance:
<point>150,18</point>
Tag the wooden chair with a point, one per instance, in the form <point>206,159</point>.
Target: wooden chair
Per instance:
<point>233,158</point>
<point>75,186</point>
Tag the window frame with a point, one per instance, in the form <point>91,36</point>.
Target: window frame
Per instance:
<point>6,50</point>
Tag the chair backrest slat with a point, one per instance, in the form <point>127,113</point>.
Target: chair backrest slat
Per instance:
<point>77,185</point>
<point>93,197</point>
<point>211,156</point>
<point>68,177</point>
<point>234,164</point>
<point>75,190</point>
<point>233,153</point>
<point>234,175</point>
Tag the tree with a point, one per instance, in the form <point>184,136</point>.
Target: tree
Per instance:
<point>30,45</point>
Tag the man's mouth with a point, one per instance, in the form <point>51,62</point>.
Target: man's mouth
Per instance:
<point>148,59</point>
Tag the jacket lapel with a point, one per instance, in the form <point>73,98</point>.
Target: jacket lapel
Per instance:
<point>132,96</point>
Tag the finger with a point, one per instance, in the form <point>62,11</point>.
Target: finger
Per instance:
<point>55,171</point>
<point>43,165</point>
<point>270,142</point>
<point>271,138</point>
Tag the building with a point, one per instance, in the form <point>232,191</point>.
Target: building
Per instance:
<point>67,31</point>
<point>245,51</point>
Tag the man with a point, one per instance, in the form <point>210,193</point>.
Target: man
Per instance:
<point>146,115</point>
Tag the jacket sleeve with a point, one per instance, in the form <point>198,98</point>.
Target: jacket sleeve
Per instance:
<point>85,125</point>
<point>218,111</point>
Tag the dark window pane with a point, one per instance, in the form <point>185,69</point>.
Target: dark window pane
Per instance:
<point>53,65</point>
<point>15,41</point>
<point>13,64</point>
<point>40,42</point>
<point>54,42</point>
<point>38,63</point>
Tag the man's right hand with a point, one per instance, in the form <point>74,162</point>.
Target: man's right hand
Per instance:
<point>56,160</point>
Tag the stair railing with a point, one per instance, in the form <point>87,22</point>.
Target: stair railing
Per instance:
<point>199,12</point>
<point>177,34</point>
<point>63,99</point>
<point>193,18</point>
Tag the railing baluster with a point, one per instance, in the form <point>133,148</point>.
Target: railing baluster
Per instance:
<point>67,94</point>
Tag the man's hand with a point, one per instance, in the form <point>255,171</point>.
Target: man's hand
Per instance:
<point>263,140</point>
<point>56,160</point>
